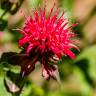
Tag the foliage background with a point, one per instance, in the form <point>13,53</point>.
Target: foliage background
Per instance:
<point>78,76</point>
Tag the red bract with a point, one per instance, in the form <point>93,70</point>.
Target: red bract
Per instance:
<point>46,39</point>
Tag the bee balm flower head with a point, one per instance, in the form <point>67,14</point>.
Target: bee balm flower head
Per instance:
<point>46,39</point>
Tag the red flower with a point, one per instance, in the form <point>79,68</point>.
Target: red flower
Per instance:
<point>46,39</point>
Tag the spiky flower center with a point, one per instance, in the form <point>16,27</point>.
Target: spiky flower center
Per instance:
<point>47,39</point>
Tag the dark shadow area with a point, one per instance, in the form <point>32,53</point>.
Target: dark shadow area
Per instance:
<point>84,66</point>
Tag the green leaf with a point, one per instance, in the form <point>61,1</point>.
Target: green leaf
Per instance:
<point>88,54</point>
<point>7,57</point>
<point>32,90</point>
<point>3,91</point>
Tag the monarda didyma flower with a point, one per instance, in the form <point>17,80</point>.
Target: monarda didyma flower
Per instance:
<point>45,39</point>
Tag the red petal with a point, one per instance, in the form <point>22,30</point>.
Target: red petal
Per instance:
<point>70,54</point>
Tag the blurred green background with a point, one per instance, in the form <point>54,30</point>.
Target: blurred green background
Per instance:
<point>78,76</point>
